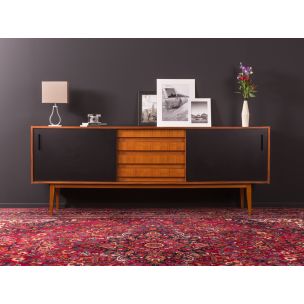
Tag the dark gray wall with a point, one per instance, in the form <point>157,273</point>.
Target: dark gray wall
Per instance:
<point>105,75</point>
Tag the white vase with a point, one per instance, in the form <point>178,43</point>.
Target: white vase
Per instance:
<point>245,114</point>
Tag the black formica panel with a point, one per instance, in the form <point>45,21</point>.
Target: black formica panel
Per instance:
<point>74,155</point>
<point>227,155</point>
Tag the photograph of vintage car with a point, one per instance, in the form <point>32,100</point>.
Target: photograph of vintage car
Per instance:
<point>175,105</point>
<point>173,101</point>
<point>201,112</point>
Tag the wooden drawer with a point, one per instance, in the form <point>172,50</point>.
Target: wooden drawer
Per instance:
<point>151,158</point>
<point>151,133</point>
<point>151,179</point>
<point>151,171</point>
<point>151,144</point>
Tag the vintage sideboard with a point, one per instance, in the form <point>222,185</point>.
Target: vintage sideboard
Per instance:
<point>150,157</point>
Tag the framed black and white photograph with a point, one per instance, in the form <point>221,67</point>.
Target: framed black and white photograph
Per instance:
<point>200,112</point>
<point>147,108</point>
<point>173,101</point>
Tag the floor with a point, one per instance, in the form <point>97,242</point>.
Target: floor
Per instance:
<point>151,237</point>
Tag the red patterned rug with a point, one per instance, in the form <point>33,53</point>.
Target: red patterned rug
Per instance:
<point>152,237</point>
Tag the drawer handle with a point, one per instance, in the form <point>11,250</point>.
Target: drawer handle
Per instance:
<point>39,142</point>
<point>262,142</point>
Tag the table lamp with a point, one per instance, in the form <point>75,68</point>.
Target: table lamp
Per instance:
<point>54,92</point>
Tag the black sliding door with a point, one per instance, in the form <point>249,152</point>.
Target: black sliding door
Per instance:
<point>227,155</point>
<point>74,155</point>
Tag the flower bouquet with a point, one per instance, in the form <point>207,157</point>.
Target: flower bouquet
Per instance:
<point>247,89</point>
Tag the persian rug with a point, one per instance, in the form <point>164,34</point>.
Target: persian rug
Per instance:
<point>151,237</point>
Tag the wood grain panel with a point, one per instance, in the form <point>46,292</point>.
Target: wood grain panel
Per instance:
<point>150,179</point>
<point>151,171</point>
<point>151,133</point>
<point>151,144</point>
<point>151,158</point>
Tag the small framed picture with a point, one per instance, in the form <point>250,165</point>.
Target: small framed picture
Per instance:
<point>200,110</point>
<point>147,108</point>
<point>173,101</point>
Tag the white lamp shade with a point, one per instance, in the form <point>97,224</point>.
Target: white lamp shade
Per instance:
<point>54,91</point>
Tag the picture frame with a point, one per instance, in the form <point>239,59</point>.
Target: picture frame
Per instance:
<point>147,108</point>
<point>173,101</point>
<point>200,112</point>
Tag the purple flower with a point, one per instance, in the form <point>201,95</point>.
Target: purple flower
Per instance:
<point>246,70</point>
<point>246,86</point>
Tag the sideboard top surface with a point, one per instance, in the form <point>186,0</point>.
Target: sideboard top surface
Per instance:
<point>150,127</point>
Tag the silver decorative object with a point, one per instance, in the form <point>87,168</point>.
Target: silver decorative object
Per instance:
<point>94,118</point>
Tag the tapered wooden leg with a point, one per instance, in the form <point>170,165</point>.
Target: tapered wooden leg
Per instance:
<point>51,203</point>
<point>57,194</point>
<point>242,197</point>
<point>249,198</point>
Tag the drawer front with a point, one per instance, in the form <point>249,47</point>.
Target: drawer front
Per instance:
<point>151,158</point>
<point>151,179</point>
<point>151,155</point>
<point>151,133</point>
<point>151,144</point>
<point>151,171</point>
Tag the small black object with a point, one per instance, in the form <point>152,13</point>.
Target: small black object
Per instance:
<point>39,142</point>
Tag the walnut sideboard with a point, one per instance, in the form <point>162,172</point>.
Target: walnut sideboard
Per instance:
<point>150,157</point>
